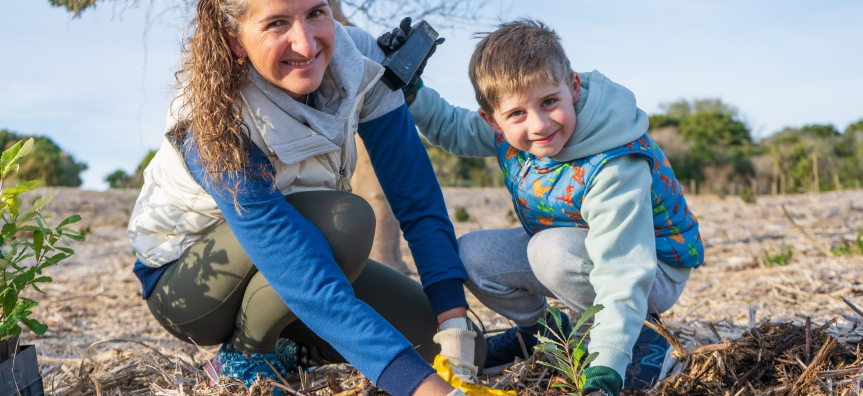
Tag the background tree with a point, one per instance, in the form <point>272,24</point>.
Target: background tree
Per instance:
<point>46,162</point>
<point>705,140</point>
<point>120,179</point>
<point>377,14</point>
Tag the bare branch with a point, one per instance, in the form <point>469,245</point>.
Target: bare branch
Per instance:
<point>387,13</point>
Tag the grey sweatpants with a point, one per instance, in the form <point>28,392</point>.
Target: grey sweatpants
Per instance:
<point>512,273</point>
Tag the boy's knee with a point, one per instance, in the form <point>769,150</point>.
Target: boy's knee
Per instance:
<point>556,255</point>
<point>470,253</point>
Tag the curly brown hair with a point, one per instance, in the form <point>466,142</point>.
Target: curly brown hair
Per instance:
<point>210,80</point>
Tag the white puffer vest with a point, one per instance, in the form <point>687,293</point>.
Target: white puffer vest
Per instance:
<point>173,211</point>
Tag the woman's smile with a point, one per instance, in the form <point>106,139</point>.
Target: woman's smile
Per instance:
<point>303,64</point>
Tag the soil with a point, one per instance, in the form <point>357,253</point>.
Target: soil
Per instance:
<point>745,298</point>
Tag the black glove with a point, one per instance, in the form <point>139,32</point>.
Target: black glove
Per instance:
<point>392,41</point>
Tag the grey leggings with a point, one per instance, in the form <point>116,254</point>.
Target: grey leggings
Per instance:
<point>214,293</point>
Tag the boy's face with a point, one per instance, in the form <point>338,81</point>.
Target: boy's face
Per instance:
<point>541,121</point>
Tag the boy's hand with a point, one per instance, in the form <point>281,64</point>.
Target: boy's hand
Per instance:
<point>392,41</point>
<point>602,381</point>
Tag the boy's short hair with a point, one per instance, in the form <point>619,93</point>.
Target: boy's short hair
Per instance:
<point>514,58</point>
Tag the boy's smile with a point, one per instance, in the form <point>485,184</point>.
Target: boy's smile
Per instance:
<point>540,121</point>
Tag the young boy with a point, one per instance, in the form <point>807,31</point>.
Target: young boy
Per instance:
<point>604,218</point>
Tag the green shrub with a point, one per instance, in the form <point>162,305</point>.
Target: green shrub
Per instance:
<point>511,217</point>
<point>781,258</point>
<point>568,349</point>
<point>748,196</point>
<point>850,249</point>
<point>40,250</point>
<point>46,162</point>
<point>461,214</point>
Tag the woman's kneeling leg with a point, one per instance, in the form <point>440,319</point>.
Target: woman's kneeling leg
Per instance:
<point>201,295</point>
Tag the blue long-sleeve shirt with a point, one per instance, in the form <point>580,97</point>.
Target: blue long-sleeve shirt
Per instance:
<point>297,261</point>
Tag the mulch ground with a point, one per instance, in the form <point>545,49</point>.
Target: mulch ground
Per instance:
<point>746,325</point>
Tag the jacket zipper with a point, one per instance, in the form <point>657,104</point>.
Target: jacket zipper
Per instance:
<point>345,184</point>
<point>514,191</point>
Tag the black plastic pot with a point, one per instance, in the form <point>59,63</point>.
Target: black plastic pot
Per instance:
<point>19,372</point>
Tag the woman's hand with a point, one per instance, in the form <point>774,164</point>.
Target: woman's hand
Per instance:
<point>390,42</point>
<point>457,339</point>
<point>434,385</point>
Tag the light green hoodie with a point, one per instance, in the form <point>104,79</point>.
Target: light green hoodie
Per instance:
<point>621,240</point>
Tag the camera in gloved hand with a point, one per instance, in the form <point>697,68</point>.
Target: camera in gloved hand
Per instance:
<point>407,49</point>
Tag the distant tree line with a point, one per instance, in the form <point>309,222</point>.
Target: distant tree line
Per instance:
<point>46,162</point>
<point>120,179</point>
<point>711,148</point>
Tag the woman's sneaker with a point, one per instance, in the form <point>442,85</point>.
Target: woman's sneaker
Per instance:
<point>647,357</point>
<point>505,347</point>
<point>246,367</point>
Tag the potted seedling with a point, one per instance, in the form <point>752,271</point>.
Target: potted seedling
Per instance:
<point>28,245</point>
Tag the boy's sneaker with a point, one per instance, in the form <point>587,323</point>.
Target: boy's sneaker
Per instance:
<point>647,357</point>
<point>504,348</point>
<point>246,367</point>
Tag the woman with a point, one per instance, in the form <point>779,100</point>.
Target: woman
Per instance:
<point>245,230</point>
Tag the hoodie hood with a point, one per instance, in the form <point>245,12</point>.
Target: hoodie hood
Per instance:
<point>607,118</point>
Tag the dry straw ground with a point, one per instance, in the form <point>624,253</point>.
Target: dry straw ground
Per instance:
<point>744,326</point>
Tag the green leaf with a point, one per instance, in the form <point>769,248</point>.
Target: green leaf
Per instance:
<point>35,326</point>
<point>31,212</point>
<point>65,250</point>
<point>25,149</point>
<point>13,330</point>
<point>555,312</point>
<point>38,239</point>
<point>564,368</point>
<point>545,339</point>
<point>69,220</point>
<point>578,352</point>
<point>25,277</point>
<point>14,206</point>
<point>57,258</point>
<point>10,300</point>
<point>78,238</point>
<point>547,364</point>
<point>8,158</point>
<point>591,358</point>
<point>43,279</point>
<point>587,315</point>
<point>9,229</point>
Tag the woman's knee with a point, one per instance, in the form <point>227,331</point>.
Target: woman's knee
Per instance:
<point>346,220</point>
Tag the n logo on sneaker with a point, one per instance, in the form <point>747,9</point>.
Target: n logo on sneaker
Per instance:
<point>655,358</point>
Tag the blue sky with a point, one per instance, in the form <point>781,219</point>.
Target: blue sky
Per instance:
<point>85,82</point>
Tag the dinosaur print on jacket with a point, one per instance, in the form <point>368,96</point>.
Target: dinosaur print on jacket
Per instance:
<point>547,193</point>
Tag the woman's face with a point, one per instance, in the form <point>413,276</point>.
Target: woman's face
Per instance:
<point>289,42</point>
